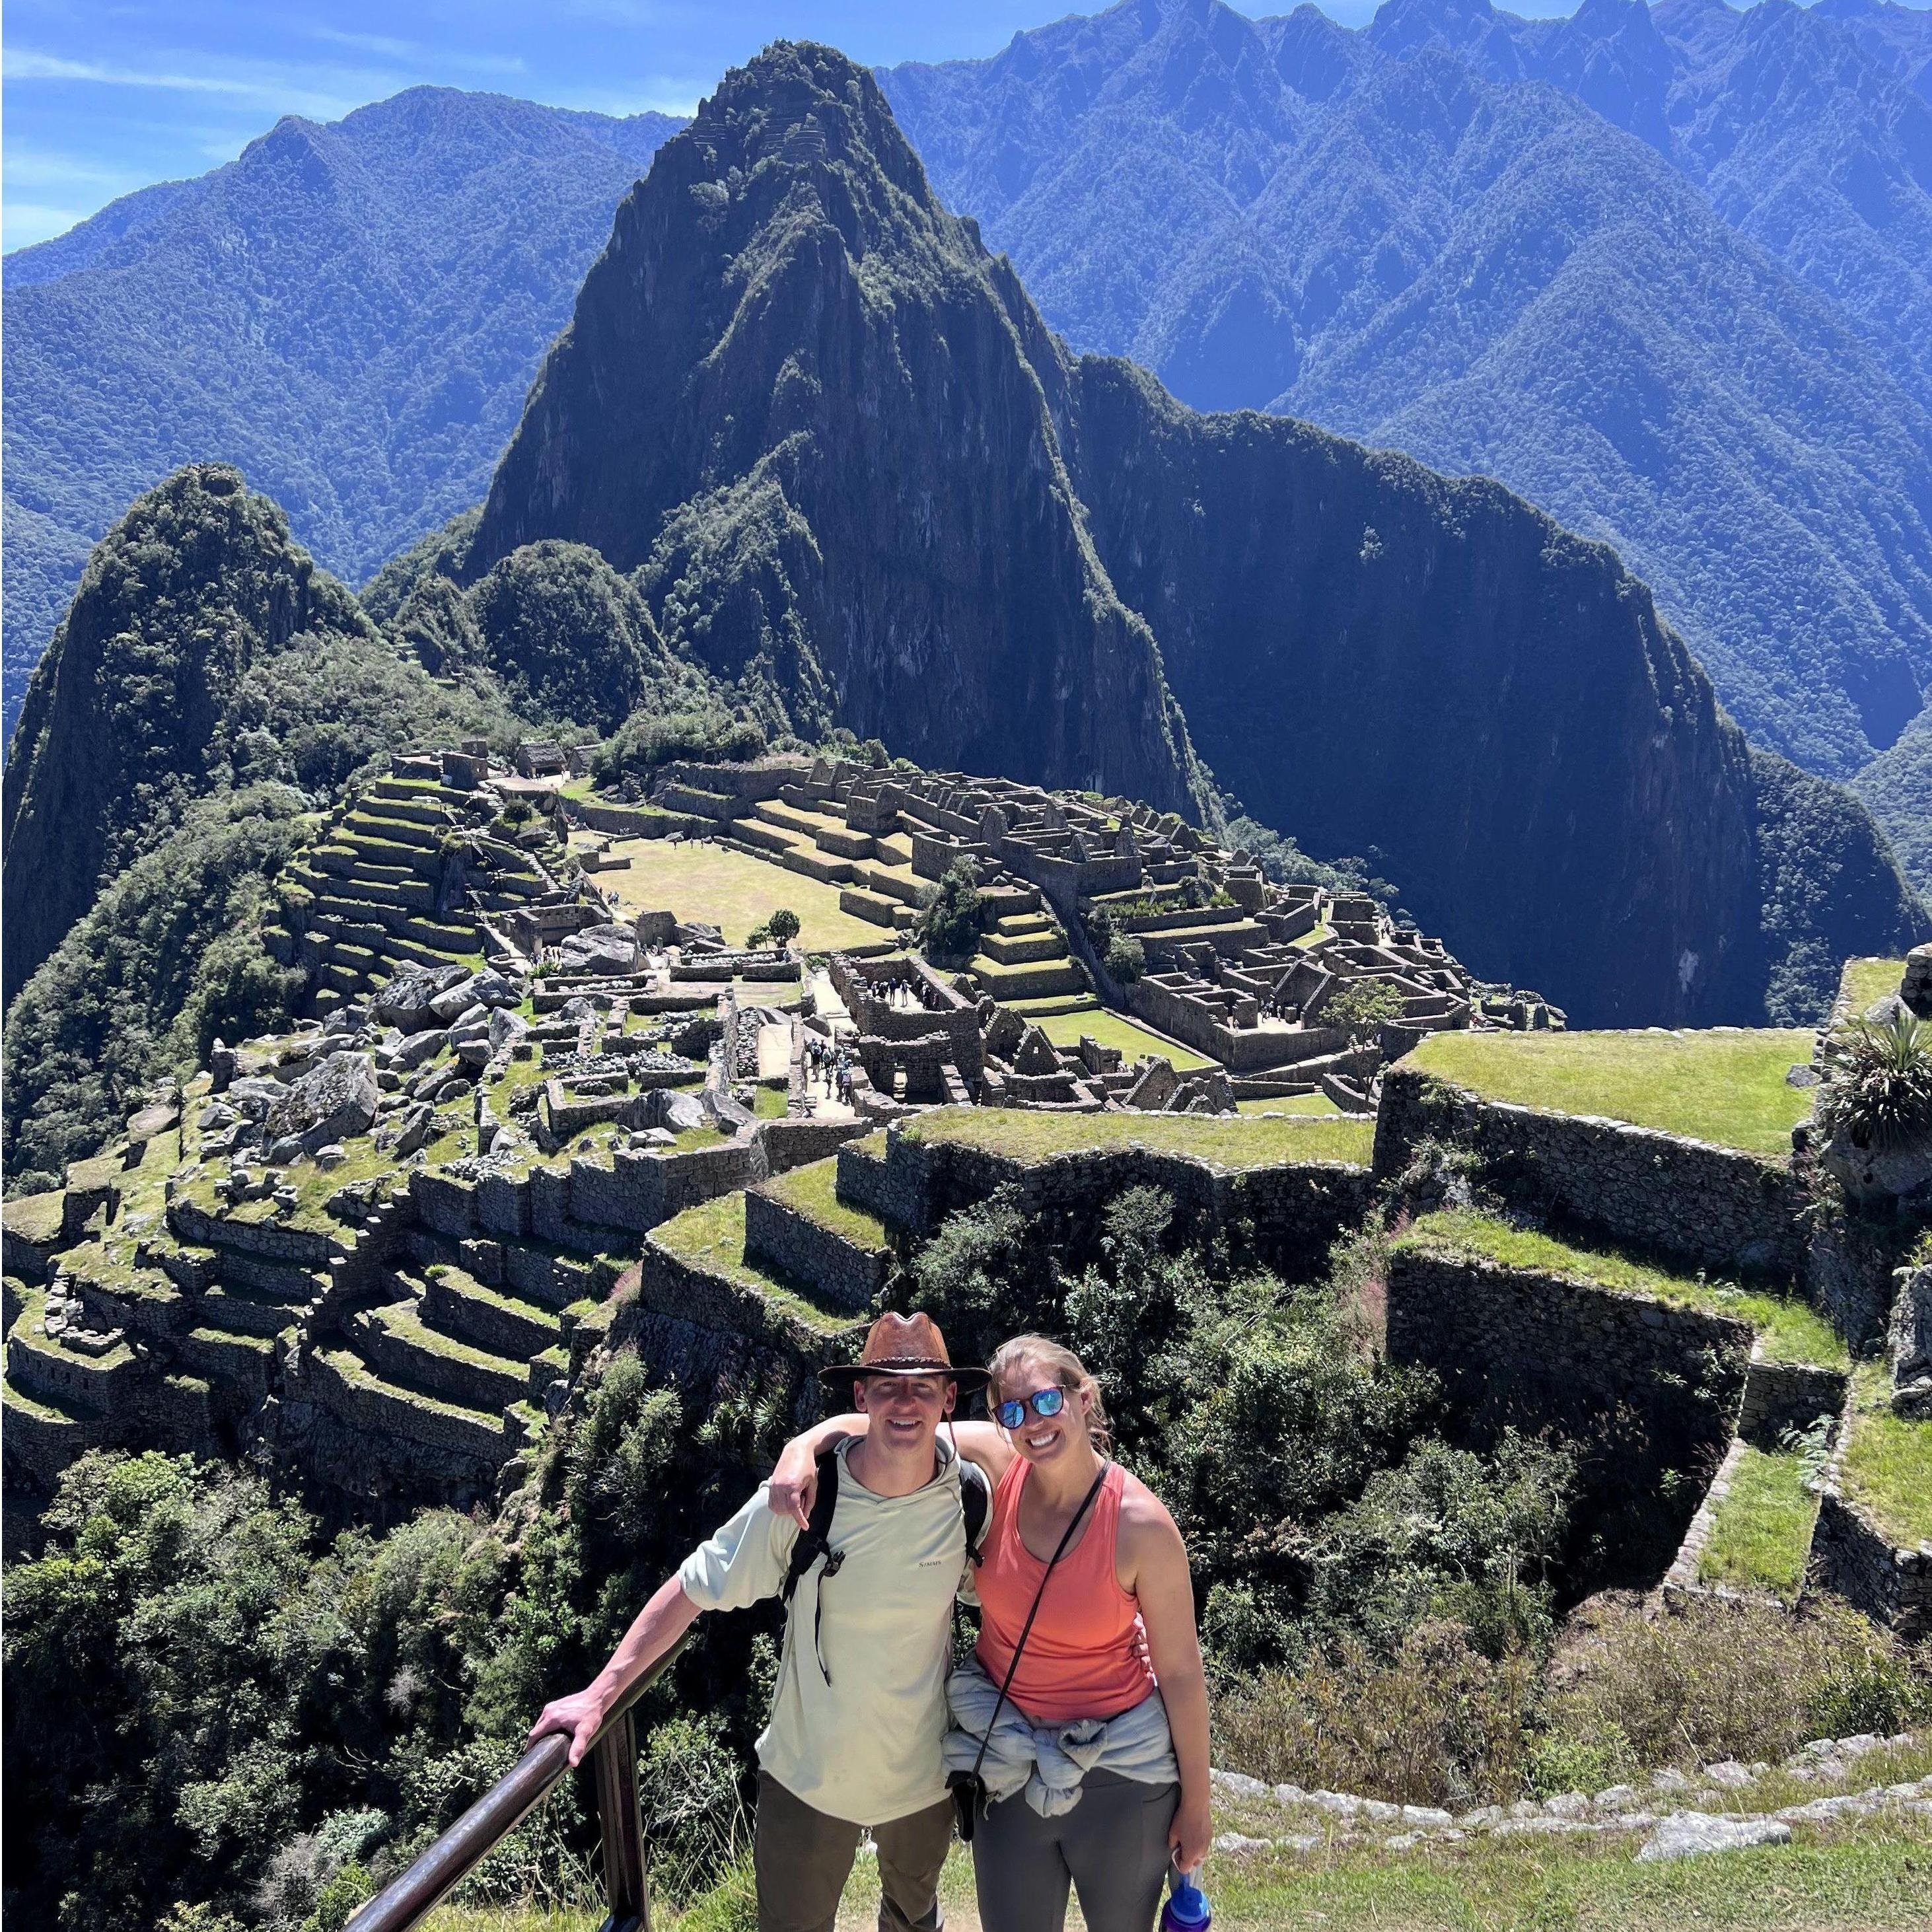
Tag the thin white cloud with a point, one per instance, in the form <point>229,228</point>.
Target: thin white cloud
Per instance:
<point>270,92</point>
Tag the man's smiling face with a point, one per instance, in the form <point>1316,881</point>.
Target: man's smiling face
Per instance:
<point>906,1410</point>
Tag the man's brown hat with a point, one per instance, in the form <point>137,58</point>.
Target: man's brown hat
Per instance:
<point>905,1345</point>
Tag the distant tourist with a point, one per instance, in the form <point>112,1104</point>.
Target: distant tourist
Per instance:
<point>1079,1747</point>
<point>859,1712</point>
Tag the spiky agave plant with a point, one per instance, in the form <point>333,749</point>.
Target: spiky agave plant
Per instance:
<point>1877,1087</point>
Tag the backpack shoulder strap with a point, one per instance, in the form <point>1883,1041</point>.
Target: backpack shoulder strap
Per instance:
<point>974,1499</point>
<point>815,1539</point>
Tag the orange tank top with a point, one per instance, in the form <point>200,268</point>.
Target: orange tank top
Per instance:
<point>1086,1656</point>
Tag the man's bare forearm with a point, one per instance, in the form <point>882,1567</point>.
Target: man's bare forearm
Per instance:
<point>656,1629</point>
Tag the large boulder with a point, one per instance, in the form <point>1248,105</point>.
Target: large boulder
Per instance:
<point>665,1107</point>
<point>407,1002</point>
<point>1874,1175</point>
<point>1916,990</point>
<point>330,1102</point>
<point>600,948</point>
<point>488,987</point>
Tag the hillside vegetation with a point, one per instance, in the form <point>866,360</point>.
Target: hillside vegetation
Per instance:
<point>1663,271</point>
<point>351,312</point>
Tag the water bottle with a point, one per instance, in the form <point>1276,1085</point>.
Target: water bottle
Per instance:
<point>1186,1909</point>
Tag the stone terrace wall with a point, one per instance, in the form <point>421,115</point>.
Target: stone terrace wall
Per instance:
<point>1853,1560</point>
<point>1289,1215</point>
<point>1779,1395</point>
<point>1709,1206</point>
<point>1516,1347</point>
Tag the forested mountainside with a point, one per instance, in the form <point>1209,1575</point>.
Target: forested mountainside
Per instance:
<point>853,470</point>
<point>1665,273</point>
<point>351,312</point>
<point>204,650</point>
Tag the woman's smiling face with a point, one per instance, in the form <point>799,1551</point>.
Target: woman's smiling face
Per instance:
<point>1043,1439</point>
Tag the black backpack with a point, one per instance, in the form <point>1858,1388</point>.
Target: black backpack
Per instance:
<point>814,1539</point>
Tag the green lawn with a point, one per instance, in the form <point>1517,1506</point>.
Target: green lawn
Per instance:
<point>730,890</point>
<point>1887,1467</point>
<point>1112,1029</point>
<point>1318,1104</point>
<point>1792,1330</point>
<point>1726,1086</point>
<point>1864,981</point>
<point>1241,1142</point>
<point>1761,1539</point>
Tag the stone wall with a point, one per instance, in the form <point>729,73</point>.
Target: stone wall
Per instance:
<point>1736,1213</point>
<point>790,1144</point>
<point>1853,1558</point>
<point>1645,1389</point>
<point>1287,1217</point>
<point>1779,1395</point>
<point>801,1250</point>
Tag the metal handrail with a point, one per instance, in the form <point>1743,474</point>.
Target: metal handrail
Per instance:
<point>407,1901</point>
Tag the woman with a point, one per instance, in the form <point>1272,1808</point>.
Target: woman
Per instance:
<point>1096,1764</point>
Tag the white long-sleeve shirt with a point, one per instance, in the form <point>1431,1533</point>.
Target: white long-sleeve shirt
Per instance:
<point>865,1746</point>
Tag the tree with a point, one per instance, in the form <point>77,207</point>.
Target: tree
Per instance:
<point>949,927</point>
<point>783,925</point>
<point>1363,1006</point>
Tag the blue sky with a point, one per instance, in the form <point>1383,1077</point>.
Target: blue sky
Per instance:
<point>101,96</point>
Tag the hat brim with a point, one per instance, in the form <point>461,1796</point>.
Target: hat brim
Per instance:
<point>967,1381</point>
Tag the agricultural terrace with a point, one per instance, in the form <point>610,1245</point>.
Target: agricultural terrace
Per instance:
<point>1792,1331</point>
<point>1726,1086</point>
<point>715,885</point>
<point>1888,1465</point>
<point>1761,1530</point>
<point>1234,1143</point>
<point>1866,981</point>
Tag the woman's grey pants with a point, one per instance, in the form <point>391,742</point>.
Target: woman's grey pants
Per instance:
<point>1112,1846</point>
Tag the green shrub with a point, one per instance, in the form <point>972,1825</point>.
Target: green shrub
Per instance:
<point>1562,1760</point>
<point>1877,1086</point>
<point>647,739</point>
<point>950,922</point>
<point>783,925</point>
<point>1437,1723</point>
<point>1125,958</point>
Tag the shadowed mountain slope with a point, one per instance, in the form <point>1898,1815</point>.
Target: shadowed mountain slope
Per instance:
<point>351,312</point>
<point>853,469</point>
<point>1525,249</point>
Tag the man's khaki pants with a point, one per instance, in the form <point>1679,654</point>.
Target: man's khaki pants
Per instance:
<point>802,1858</point>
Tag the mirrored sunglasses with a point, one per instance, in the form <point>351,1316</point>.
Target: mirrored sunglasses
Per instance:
<point>1043,1402</point>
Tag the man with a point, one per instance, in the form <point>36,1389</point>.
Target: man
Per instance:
<point>859,1708</point>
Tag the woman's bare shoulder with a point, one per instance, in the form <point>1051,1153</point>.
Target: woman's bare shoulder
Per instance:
<point>1143,1515</point>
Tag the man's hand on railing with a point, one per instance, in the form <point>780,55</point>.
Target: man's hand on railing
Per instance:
<point>579,1717</point>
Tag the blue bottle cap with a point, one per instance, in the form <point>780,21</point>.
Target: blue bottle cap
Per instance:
<point>1188,1905</point>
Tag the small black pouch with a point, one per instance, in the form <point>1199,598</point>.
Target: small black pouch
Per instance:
<point>969,1799</point>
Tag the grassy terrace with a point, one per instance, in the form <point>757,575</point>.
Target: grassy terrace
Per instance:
<point>810,1190</point>
<point>1237,1143</point>
<point>720,886</point>
<point>1761,1539</point>
<point>1318,1104</point>
<point>711,1237</point>
<point>1726,1086</point>
<point>1792,1330</point>
<point>1888,1466</point>
<point>1864,981</point>
<point>1110,1029</point>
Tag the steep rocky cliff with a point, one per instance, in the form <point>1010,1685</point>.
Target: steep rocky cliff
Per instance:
<point>853,469</point>
<point>794,394</point>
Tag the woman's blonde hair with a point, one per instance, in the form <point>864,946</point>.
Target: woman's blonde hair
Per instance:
<point>1066,1368</point>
